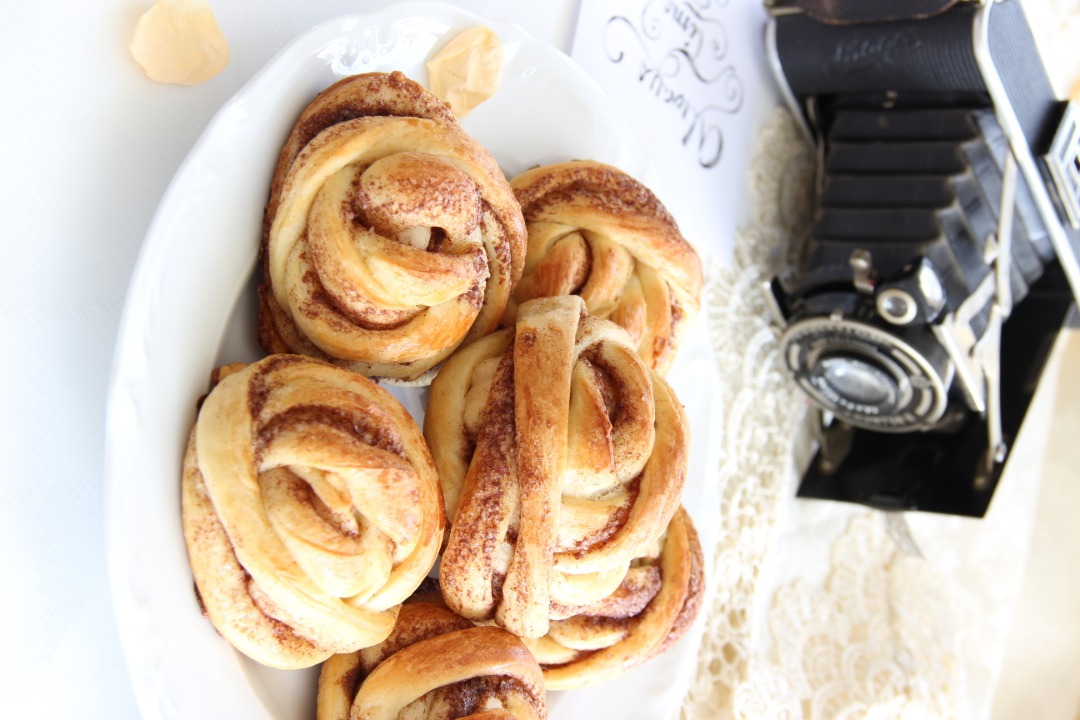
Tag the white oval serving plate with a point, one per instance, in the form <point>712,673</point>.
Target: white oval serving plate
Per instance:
<point>191,305</point>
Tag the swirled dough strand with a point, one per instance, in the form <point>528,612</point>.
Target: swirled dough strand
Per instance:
<point>390,236</point>
<point>562,458</point>
<point>310,508</point>
<point>596,232</point>
<point>649,612</point>
<point>434,666</point>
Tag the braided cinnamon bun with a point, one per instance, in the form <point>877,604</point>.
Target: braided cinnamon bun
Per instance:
<point>596,232</point>
<point>562,458</point>
<point>390,235</point>
<point>310,509</point>
<point>434,666</point>
<point>651,610</point>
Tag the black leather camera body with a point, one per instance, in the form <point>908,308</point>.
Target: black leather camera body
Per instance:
<point>920,306</point>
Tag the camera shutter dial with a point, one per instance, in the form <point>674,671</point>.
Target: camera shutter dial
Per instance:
<point>918,297</point>
<point>896,306</point>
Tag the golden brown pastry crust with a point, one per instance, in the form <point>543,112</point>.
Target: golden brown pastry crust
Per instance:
<point>390,235</point>
<point>562,458</point>
<point>653,609</point>
<point>434,666</point>
<point>596,232</point>
<point>310,509</point>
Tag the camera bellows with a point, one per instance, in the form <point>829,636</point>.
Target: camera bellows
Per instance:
<point>390,236</point>
<point>562,459</point>
<point>311,509</point>
<point>434,666</point>
<point>596,232</point>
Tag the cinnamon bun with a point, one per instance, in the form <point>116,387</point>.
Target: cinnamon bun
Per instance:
<point>310,508</point>
<point>651,610</point>
<point>390,236</point>
<point>434,666</point>
<point>596,232</point>
<point>562,458</point>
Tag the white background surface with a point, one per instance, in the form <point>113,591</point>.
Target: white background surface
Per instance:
<point>87,147</point>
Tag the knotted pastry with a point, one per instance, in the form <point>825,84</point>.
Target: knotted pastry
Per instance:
<point>596,232</point>
<point>562,458</point>
<point>652,608</point>
<point>390,235</point>
<point>311,509</point>
<point>434,666</point>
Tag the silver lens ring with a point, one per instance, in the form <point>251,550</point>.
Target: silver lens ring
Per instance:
<point>866,376</point>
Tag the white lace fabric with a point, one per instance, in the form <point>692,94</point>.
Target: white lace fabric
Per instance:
<point>819,610</point>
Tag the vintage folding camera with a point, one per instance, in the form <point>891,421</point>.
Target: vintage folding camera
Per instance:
<point>920,307</point>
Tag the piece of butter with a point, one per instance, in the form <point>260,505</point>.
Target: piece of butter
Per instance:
<point>179,42</point>
<point>468,70</point>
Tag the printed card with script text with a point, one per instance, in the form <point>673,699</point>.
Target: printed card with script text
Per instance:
<point>692,80</point>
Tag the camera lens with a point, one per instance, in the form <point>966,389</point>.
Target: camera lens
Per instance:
<point>867,376</point>
<point>856,381</point>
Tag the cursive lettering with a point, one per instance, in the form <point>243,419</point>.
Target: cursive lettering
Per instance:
<point>676,47</point>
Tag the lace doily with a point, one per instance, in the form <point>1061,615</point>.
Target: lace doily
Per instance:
<point>762,416</point>
<point>823,609</point>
